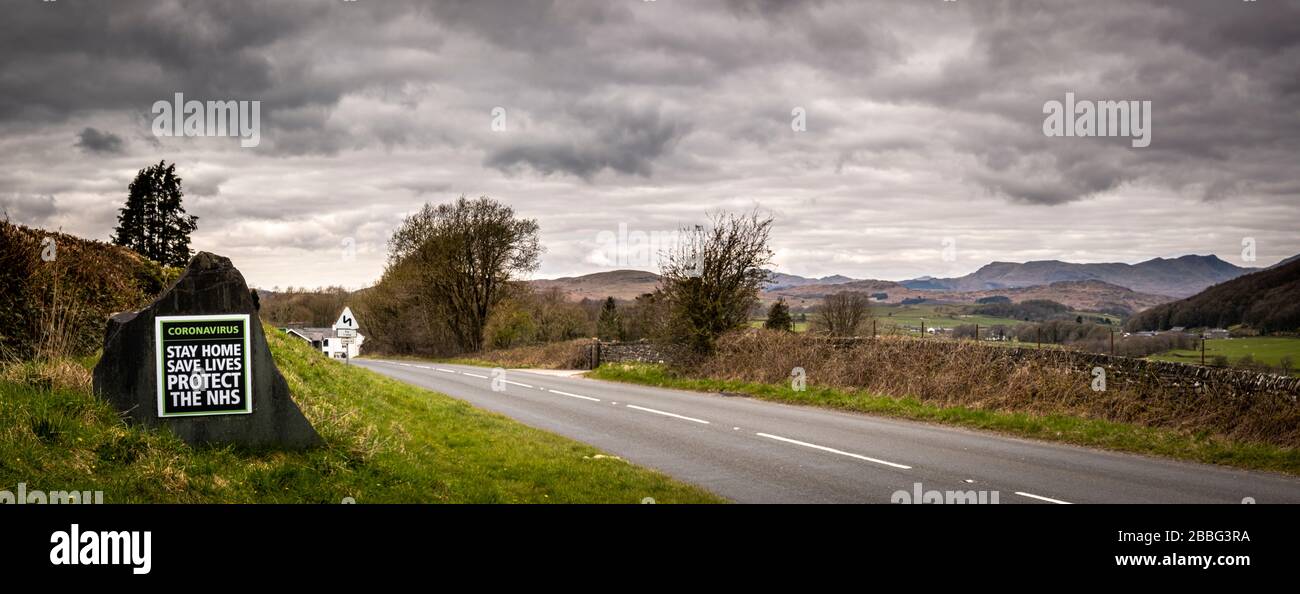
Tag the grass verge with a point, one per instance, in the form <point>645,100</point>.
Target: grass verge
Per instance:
<point>1197,447</point>
<point>386,442</point>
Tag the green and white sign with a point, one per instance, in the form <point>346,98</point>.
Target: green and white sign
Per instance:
<point>204,367</point>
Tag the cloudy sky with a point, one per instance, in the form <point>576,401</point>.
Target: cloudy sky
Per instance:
<point>924,125</point>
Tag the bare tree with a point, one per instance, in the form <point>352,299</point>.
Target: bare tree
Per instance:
<point>711,280</point>
<point>460,257</point>
<point>843,313</point>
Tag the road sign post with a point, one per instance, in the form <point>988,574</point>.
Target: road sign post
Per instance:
<point>346,342</point>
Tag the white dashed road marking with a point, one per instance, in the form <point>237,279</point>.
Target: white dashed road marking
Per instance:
<point>832,450</point>
<point>1041,498</point>
<point>668,414</point>
<point>574,395</point>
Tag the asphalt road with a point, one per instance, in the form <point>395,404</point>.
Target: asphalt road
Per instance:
<point>754,451</point>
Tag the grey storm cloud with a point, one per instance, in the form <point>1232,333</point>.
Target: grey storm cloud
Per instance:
<point>27,208</point>
<point>625,142</point>
<point>97,141</point>
<point>660,110</point>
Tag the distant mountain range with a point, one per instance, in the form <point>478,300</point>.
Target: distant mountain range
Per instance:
<point>804,292</point>
<point>1092,287</point>
<point>1087,295</point>
<point>629,284</point>
<point>1267,300</point>
<point>781,280</point>
<point>1177,277</point>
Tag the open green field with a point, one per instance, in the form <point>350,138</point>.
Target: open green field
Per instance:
<point>386,442</point>
<point>899,319</point>
<point>798,326</point>
<point>1265,349</point>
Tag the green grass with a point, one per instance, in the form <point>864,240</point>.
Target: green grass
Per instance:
<point>1060,428</point>
<point>949,316</point>
<point>386,442</point>
<point>448,360</point>
<point>476,362</point>
<point>889,317</point>
<point>1265,349</point>
<point>896,318</point>
<point>798,326</point>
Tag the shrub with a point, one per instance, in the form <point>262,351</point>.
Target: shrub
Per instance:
<point>56,308</point>
<point>991,377</point>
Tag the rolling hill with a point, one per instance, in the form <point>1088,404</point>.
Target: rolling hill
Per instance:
<point>1174,277</point>
<point>1113,287</point>
<point>802,292</point>
<point>619,284</point>
<point>629,284</point>
<point>1268,301</point>
<point>781,280</point>
<point>1087,295</point>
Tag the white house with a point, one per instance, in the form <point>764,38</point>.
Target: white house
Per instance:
<point>342,341</point>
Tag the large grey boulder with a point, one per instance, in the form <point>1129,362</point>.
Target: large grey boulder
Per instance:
<point>126,374</point>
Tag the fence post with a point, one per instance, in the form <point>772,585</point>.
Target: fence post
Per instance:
<point>873,328</point>
<point>1112,343</point>
<point>1202,350</point>
<point>922,328</point>
<point>977,332</point>
<point>1040,337</point>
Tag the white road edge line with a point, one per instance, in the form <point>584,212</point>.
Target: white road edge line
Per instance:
<point>832,450</point>
<point>1041,498</point>
<point>668,414</point>
<point>517,384</point>
<point>474,375</point>
<point>573,395</point>
<point>445,370</point>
